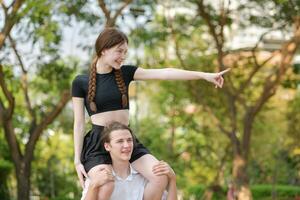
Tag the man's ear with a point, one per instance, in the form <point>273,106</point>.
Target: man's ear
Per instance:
<point>107,146</point>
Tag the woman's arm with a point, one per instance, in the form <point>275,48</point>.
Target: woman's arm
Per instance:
<point>162,168</point>
<point>179,74</point>
<point>79,127</point>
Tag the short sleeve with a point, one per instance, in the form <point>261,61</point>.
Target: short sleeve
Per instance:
<point>77,87</point>
<point>128,72</point>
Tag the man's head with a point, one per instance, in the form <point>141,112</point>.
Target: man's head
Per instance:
<point>118,140</point>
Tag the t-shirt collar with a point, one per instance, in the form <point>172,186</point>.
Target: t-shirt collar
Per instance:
<point>129,177</point>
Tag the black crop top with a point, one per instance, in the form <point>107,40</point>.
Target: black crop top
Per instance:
<point>108,97</point>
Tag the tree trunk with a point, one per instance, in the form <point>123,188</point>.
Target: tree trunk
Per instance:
<point>241,181</point>
<point>208,194</point>
<point>5,170</point>
<point>23,181</point>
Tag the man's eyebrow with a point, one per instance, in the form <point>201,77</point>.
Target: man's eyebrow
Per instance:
<point>125,49</point>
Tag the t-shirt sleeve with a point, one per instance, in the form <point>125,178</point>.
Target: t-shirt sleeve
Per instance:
<point>77,87</point>
<point>128,72</point>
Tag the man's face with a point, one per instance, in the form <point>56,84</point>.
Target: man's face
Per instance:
<point>120,146</point>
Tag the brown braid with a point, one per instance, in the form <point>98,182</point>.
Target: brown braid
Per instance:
<point>92,85</point>
<point>122,87</point>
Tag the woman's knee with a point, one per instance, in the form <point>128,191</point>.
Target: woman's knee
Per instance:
<point>97,168</point>
<point>159,181</point>
<point>105,190</point>
<point>144,166</point>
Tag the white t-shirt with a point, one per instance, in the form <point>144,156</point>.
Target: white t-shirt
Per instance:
<point>131,188</point>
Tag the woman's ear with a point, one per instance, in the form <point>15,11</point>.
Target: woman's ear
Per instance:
<point>107,146</point>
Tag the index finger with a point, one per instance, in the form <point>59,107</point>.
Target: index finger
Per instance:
<point>159,164</point>
<point>224,71</point>
<point>82,183</point>
<point>81,180</point>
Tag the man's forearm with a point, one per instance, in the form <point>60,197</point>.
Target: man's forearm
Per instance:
<point>172,190</point>
<point>92,193</point>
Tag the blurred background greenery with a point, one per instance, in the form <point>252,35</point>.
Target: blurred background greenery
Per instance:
<point>245,135</point>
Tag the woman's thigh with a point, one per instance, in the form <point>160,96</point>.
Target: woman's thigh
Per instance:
<point>144,166</point>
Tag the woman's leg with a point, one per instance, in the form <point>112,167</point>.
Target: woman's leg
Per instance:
<point>106,190</point>
<point>157,184</point>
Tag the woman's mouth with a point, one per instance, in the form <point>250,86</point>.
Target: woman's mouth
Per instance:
<point>119,62</point>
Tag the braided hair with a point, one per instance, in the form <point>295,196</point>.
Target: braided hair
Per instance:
<point>107,39</point>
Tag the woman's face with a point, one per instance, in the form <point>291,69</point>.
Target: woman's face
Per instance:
<point>115,56</point>
<point>120,146</point>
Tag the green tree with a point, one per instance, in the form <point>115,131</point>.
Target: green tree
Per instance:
<point>32,97</point>
<point>53,171</point>
<point>6,166</point>
<point>27,105</point>
<point>292,143</point>
<point>243,105</point>
<point>251,83</point>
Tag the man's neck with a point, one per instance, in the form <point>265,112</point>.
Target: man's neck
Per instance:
<point>121,168</point>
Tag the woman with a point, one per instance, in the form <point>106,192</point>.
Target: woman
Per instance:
<point>119,141</point>
<point>104,94</point>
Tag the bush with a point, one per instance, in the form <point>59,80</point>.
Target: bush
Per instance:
<point>197,191</point>
<point>259,192</point>
<point>282,191</point>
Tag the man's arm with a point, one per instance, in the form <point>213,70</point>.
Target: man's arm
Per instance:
<point>162,168</point>
<point>92,193</point>
<point>172,190</point>
<point>104,176</point>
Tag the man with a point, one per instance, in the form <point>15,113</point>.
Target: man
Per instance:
<point>119,141</point>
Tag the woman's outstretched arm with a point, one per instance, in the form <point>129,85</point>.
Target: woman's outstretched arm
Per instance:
<point>179,74</point>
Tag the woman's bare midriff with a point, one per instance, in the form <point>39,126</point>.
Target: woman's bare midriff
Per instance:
<point>105,118</point>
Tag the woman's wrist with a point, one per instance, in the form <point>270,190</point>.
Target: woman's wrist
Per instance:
<point>77,161</point>
<point>203,75</point>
